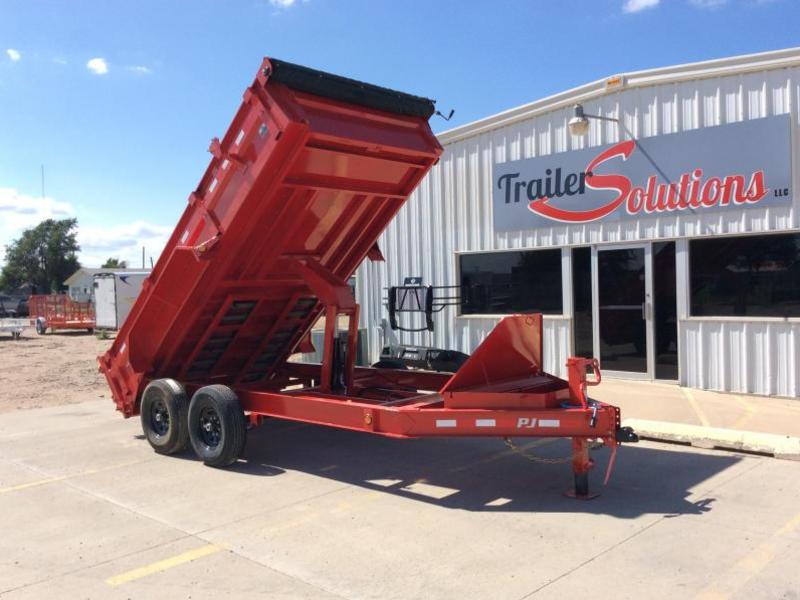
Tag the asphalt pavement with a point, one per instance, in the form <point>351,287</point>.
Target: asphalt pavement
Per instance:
<point>88,510</point>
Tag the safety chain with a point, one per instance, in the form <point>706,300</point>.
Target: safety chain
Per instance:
<point>542,460</point>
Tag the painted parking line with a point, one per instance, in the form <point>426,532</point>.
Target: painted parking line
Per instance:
<point>38,482</point>
<point>163,565</point>
<point>735,578</point>
<point>695,407</point>
<point>748,408</point>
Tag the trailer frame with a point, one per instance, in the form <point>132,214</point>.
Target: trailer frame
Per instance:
<point>308,175</point>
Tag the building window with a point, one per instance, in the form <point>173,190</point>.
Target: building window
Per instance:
<point>756,276</point>
<point>582,301</point>
<point>666,310</point>
<point>511,282</point>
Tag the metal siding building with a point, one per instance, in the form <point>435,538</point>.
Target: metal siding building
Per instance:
<point>451,213</point>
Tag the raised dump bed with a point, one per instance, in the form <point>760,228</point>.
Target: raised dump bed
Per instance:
<point>310,172</point>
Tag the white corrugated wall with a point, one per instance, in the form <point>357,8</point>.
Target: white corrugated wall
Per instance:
<point>451,212</point>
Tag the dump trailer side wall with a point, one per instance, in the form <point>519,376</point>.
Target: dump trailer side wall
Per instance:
<point>299,181</point>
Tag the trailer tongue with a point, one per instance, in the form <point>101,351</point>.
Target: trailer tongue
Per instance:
<point>308,175</point>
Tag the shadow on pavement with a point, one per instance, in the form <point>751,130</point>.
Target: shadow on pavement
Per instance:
<point>68,333</point>
<point>482,474</point>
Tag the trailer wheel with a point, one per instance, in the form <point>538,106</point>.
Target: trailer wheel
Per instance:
<point>164,411</point>
<point>40,327</point>
<point>217,427</point>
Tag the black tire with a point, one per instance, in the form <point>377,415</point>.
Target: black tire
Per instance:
<point>449,361</point>
<point>217,427</point>
<point>390,363</point>
<point>40,328</point>
<point>164,413</point>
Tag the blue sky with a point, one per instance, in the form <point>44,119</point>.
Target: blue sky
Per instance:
<point>119,99</point>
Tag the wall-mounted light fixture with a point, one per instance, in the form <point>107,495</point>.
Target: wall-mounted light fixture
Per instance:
<point>579,123</point>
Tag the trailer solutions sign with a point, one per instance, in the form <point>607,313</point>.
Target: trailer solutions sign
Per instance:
<point>740,165</point>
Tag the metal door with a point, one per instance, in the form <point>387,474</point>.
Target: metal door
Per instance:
<point>622,304</point>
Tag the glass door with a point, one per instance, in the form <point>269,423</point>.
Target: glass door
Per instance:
<point>623,309</point>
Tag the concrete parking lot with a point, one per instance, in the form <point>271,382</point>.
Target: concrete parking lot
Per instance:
<point>89,511</point>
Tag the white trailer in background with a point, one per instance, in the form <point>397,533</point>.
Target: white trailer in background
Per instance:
<point>114,295</point>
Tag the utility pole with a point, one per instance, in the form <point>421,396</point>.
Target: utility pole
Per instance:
<point>143,257</point>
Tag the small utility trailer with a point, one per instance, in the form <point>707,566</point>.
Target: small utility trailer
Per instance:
<point>310,172</point>
<point>59,311</point>
<point>13,326</point>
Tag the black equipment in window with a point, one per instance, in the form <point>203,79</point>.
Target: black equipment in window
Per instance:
<point>511,282</point>
<point>756,276</point>
<point>426,300</point>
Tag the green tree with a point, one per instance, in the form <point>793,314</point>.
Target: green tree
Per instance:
<point>43,256</point>
<point>115,263</point>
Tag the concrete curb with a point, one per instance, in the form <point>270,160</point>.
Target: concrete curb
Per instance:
<point>779,446</point>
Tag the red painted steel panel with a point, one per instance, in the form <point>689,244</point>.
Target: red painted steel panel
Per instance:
<point>506,370</point>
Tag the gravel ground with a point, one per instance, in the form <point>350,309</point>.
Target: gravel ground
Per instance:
<point>50,370</point>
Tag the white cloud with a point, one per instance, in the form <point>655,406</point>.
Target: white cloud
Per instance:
<point>60,60</point>
<point>139,69</point>
<point>13,54</point>
<point>708,3</point>
<point>124,241</point>
<point>98,66</point>
<point>282,3</point>
<point>20,211</point>
<point>634,6</point>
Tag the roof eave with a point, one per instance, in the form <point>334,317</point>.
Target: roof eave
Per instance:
<point>776,59</point>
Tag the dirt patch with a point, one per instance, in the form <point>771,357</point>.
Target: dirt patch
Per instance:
<point>50,370</point>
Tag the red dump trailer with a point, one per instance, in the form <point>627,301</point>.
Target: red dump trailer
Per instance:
<point>310,172</point>
<point>59,311</point>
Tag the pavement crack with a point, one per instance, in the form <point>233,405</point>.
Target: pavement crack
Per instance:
<point>274,509</point>
<point>593,558</point>
<point>661,519</point>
